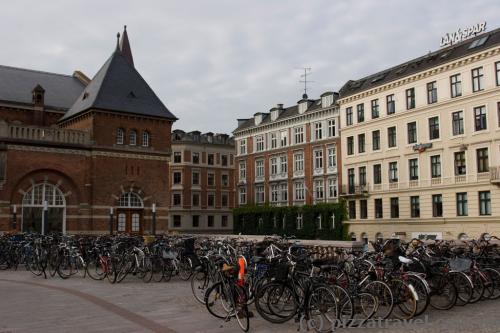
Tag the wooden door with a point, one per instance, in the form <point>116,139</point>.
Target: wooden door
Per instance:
<point>130,221</point>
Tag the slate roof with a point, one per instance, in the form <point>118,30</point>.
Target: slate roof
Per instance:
<point>428,61</point>
<point>17,84</point>
<point>118,87</point>
<point>286,112</point>
<point>196,137</point>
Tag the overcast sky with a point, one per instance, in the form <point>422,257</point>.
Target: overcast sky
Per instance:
<point>214,61</point>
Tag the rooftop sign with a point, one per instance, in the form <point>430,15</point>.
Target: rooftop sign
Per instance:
<point>462,34</point>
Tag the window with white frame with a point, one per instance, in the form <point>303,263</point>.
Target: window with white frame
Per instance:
<point>298,163</point>
<point>259,168</point>
<point>273,140</point>
<point>318,131</point>
<point>284,192</point>
<point>318,189</point>
<point>326,101</point>
<point>243,195</point>
<point>284,138</point>
<point>332,157</point>
<point>300,221</point>
<point>332,188</point>
<point>259,143</point>
<point>120,136</point>
<point>283,164</point>
<point>274,193</point>
<point>274,165</point>
<point>133,137</point>
<point>318,159</point>
<point>243,146</point>
<point>243,170</point>
<point>299,191</point>
<point>259,194</point>
<point>145,139</point>
<point>299,134</point>
<point>331,128</point>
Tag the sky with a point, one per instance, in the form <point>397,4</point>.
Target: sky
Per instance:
<point>214,61</point>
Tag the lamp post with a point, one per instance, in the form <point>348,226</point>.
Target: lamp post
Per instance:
<point>45,216</point>
<point>14,216</point>
<point>111,220</point>
<point>153,221</point>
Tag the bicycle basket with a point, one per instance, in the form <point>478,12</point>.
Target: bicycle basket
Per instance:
<point>460,264</point>
<point>279,271</point>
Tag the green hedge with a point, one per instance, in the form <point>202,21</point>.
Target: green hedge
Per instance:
<point>270,220</point>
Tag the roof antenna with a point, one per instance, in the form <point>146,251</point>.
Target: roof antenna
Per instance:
<point>305,81</point>
<point>117,41</point>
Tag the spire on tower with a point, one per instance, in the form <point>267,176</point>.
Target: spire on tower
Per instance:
<point>125,47</point>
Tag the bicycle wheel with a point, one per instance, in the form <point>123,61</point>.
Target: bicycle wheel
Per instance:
<point>185,269</point>
<point>405,300</point>
<point>200,281</point>
<point>146,270</point>
<point>422,290</point>
<point>276,302</point>
<point>34,266</point>
<point>95,269</point>
<point>478,290</point>
<point>444,293</point>
<point>217,301</point>
<point>322,309</point>
<point>345,306</point>
<point>157,267</point>
<point>241,308</point>
<point>494,277</point>
<point>65,267</point>
<point>464,287</point>
<point>384,297</point>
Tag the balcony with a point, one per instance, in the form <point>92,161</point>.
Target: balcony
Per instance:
<point>44,134</point>
<point>355,190</point>
<point>331,169</point>
<point>298,174</point>
<point>495,175</point>
<point>318,171</point>
<point>278,176</point>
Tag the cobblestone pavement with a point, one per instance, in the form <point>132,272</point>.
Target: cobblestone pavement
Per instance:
<point>32,304</point>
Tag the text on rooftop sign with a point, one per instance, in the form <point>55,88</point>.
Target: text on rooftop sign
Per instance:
<point>462,34</point>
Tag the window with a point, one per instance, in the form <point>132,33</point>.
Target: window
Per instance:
<point>393,172</point>
<point>298,162</point>
<point>437,205</point>
<point>177,177</point>
<point>176,199</point>
<point>223,160</point>
<point>259,143</point>
<point>332,188</point>
<point>394,208</point>
<point>456,85</point>
<point>132,138</point>
<point>284,192</point>
<point>482,160</point>
<point>259,194</point>
<point>283,164</point>
<point>457,122</point>
<point>225,180</point>
<point>391,104</point>
<point>223,221</point>
<point>498,113</point>
<point>413,168</point>
<point>224,200</point>
<point>177,221</point>
<point>243,146</point>
<point>210,221</point>
<point>195,200</point>
<point>196,158</point>
<point>377,173</point>
<point>415,206</point>
<point>432,96</point>
<point>243,170</point>
<point>145,139</point>
<point>352,209</point>
<point>375,109</point>
<point>360,108</point>
<point>361,143</point>
<point>348,116</point>
<point>273,140</point>
<point>299,191</point>
<point>376,140</point>
<point>332,157</point>
<point>284,138</point>
<point>363,209</point>
<point>120,136</point>
<point>410,98</point>
<point>350,145</point>
<point>436,166</point>
<point>497,73</point>
<point>391,137</point>
<point>318,159</point>
<point>351,180</point>
<point>480,118</point>
<point>243,195</point>
<point>462,204</point>
<point>318,131</point>
<point>177,157</point>
<point>412,132</point>
<point>331,128</point>
<point>210,159</point>
<point>460,166</point>
<point>379,213</point>
<point>274,165</point>
<point>196,221</point>
<point>299,134</point>
<point>259,168</point>
<point>211,200</point>
<point>210,179</point>
<point>433,128</point>
<point>477,79</point>
<point>362,176</point>
<point>300,221</point>
<point>318,189</point>
<point>484,203</point>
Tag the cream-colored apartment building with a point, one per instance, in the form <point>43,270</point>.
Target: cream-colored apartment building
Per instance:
<point>421,145</point>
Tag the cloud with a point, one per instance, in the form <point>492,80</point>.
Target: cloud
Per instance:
<point>212,62</point>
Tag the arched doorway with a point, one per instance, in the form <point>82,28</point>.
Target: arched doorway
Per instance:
<point>130,213</point>
<point>33,205</point>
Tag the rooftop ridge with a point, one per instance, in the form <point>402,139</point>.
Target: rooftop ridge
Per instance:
<point>35,71</point>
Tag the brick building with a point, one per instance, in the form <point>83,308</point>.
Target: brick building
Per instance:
<point>202,182</point>
<point>81,149</point>
<point>290,156</point>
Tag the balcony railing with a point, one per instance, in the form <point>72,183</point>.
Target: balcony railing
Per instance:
<point>45,134</point>
<point>355,190</point>
<point>495,175</point>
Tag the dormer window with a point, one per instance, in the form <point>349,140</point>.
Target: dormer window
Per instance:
<point>274,114</point>
<point>303,106</point>
<point>258,118</point>
<point>133,138</point>
<point>326,101</point>
<point>120,136</point>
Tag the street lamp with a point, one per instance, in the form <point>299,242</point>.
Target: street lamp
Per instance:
<point>14,215</point>
<point>111,220</point>
<point>153,221</point>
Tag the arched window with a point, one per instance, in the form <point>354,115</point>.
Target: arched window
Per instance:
<point>379,237</point>
<point>364,237</point>
<point>352,236</point>
<point>130,200</point>
<point>463,237</point>
<point>33,208</point>
<point>133,138</point>
<point>120,136</point>
<point>145,139</point>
